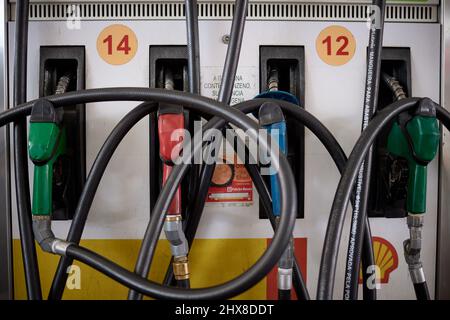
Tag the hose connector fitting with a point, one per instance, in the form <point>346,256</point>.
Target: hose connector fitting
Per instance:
<point>285,265</point>
<point>415,226</point>
<point>173,229</point>
<point>287,258</point>
<point>180,267</point>
<point>413,246</point>
<point>284,279</point>
<point>42,229</point>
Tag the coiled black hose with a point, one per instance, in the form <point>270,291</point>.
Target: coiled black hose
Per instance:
<point>30,263</point>
<point>336,220</point>
<point>247,279</point>
<point>193,46</point>
<point>201,105</point>
<point>303,116</point>
<point>77,226</point>
<point>359,214</point>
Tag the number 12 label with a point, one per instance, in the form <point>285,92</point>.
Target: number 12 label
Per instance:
<point>336,45</point>
<point>117,44</point>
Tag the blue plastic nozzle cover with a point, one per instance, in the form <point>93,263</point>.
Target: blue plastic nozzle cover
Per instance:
<point>271,118</point>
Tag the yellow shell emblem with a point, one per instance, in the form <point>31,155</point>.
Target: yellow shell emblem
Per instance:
<point>386,258</point>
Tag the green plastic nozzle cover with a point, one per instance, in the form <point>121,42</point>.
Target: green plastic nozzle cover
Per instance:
<point>46,141</point>
<point>416,140</point>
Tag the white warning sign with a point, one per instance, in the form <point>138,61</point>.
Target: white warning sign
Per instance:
<point>245,83</point>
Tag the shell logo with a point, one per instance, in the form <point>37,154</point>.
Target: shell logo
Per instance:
<point>386,258</point>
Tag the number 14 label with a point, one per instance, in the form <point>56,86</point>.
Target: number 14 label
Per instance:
<point>117,44</point>
<point>336,45</point>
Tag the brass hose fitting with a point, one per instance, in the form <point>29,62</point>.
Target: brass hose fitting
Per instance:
<point>180,267</point>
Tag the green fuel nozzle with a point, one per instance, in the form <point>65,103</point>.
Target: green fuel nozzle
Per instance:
<point>46,141</point>
<point>415,137</point>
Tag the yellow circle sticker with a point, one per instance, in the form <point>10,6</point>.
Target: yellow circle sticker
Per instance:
<point>336,45</point>
<point>117,44</point>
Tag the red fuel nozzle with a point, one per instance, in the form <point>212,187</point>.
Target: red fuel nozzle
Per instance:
<point>170,146</point>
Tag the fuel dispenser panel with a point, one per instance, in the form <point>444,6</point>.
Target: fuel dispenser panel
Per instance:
<point>333,94</point>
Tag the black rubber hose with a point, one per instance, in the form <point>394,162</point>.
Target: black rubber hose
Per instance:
<point>250,277</point>
<point>284,294</point>
<point>183,284</point>
<point>443,116</point>
<point>136,94</point>
<point>109,94</point>
<point>193,46</point>
<point>362,189</point>
<point>264,195</point>
<point>367,260</point>
<point>233,51</point>
<point>193,49</point>
<point>180,178</point>
<point>30,263</point>
<point>337,215</point>
<point>90,189</point>
<point>329,142</point>
<point>421,291</point>
<point>225,93</point>
<point>298,280</point>
<point>338,156</point>
<point>200,105</point>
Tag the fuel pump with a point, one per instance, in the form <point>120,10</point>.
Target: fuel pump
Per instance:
<point>171,120</point>
<point>415,137</point>
<point>272,119</point>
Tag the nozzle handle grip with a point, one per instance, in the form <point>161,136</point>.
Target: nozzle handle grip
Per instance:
<point>278,135</point>
<point>417,188</point>
<point>43,189</point>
